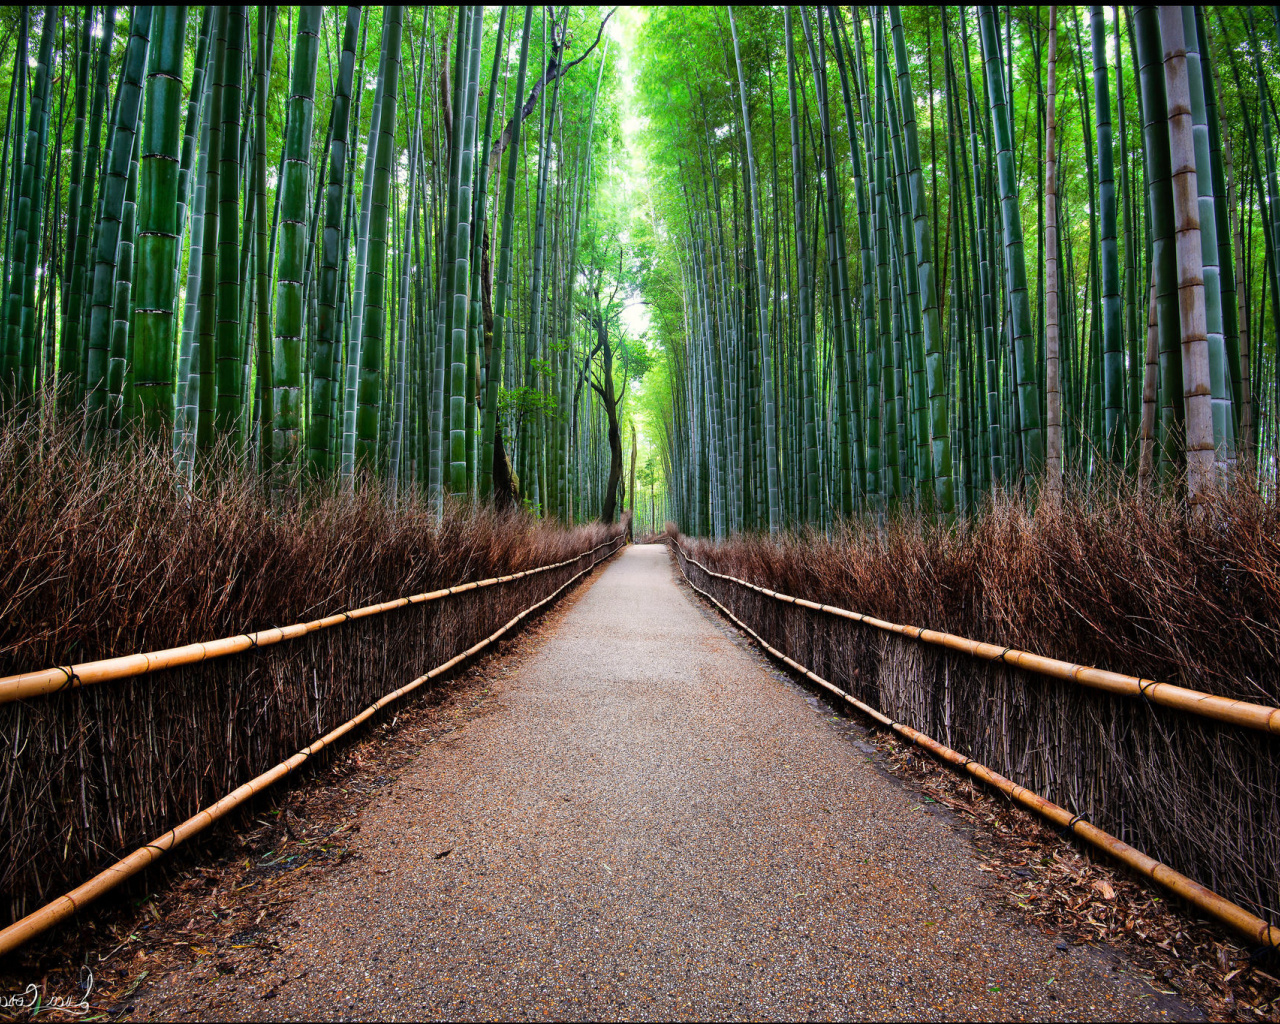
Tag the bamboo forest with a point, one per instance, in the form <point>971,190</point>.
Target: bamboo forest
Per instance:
<point>825,262</point>
<point>640,512</point>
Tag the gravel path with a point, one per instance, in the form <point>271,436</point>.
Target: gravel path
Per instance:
<point>656,824</point>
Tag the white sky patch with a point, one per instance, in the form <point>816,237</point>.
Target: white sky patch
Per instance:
<point>621,29</point>
<point>635,318</point>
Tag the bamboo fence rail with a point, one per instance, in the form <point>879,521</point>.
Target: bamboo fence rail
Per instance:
<point>21,931</point>
<point>58,678</point>
<point>1247,924</point>
<point>1222,709</point>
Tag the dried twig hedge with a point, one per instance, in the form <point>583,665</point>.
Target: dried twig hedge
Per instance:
<point>1132,587</point>
<point>103,557</point>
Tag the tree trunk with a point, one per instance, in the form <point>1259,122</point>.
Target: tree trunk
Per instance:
<point>609,510</point>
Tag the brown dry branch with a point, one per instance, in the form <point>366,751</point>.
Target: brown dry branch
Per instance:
<point>105,554</point>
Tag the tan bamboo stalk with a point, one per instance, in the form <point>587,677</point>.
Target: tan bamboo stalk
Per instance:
<point>65,906</point>
<point>1196,392</point>
<point>1223,709</point>
<point>1052,379</point>
<point>1242,314</point>
<point>1250,925</point>
<point>52,680</point>
<point>1150,378</point>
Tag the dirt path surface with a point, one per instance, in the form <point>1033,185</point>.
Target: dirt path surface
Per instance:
<point>655,824</point>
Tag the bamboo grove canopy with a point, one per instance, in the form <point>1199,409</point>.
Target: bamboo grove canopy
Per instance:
<point>909,256</point>
<point>330,244</point>
<point>892,258</point>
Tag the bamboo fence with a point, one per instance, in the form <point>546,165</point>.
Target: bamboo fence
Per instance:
<point>91,771</point>
<point>1196,785</point>
<point>58,678</point>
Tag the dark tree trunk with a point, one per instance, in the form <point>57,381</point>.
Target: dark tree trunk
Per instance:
<point>610,400</point>
<point>506,491</point>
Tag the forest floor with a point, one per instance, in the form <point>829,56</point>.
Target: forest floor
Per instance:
<point>631,816</point>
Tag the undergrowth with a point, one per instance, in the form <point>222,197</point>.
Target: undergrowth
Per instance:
<point>105,553</point>
<point>1126,582</point>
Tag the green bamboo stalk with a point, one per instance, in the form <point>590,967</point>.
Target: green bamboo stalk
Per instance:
<point>120,352</point>
<point>1053,388</point>
<point>478,237</point>
<point>468,91</point>
<point>984,278</point>
<point>762,289</point>
<point>355,340</point>
<point>1130,255</point>
<point>68,352</point>
<point>1245,419</point>
<point>809,418</point>
<point>188,398</point>
<point>333,244</point>
<point>1027,386</point>
<point>17,118</point>
<point>19,339</point>
<point>868,468</point>
<point>407,265</point>
<point>229,414</point>
<point>206,395</point>
<point>80,275</point>
<point>530,434</point>
<point>191,130</point>
<point>1112,338</point>
<point>934,357</point>
<point>889,480</point>
<point>114,183</point>
<point>159,233</point>
<point>191,220</point>
<point>501,287</point>
<point>286,369</point>
<point>262,261</point>
<point>368,414</point>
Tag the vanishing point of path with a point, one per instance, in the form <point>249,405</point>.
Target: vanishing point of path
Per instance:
<point>655,824</point>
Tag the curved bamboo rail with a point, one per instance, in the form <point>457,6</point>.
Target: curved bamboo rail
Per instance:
<point>65,906</point>
<point>1221,909</point>
<point>58,678</point>
<point>1222,709</point>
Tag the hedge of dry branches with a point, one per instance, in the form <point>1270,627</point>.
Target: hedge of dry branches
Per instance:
<point>1130,584</point>
<point>106,555</point>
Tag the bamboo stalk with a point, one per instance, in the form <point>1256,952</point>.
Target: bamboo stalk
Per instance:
<point>1053,387</point>
<point>1197,392</point>
<point>1249,925</point>
<point>65,906</point>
